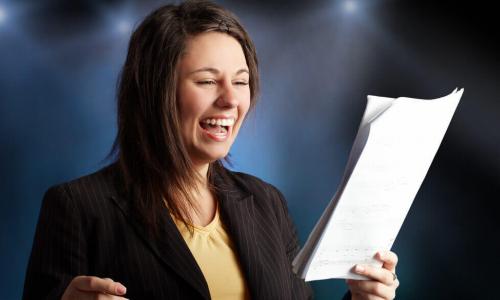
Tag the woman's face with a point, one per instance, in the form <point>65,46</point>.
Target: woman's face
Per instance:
<point>213,95</point>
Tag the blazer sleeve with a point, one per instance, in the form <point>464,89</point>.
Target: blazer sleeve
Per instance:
<point>58,254</point>
<point>302,289</point>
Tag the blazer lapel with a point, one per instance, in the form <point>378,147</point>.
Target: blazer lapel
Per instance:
<point>238,214</point>
<point>171,249</point>
<point>237,210</point>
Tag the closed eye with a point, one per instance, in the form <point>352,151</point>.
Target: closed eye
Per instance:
<point>208,82</point>
<point>241,83</point>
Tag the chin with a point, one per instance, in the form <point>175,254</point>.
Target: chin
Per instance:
<point>212,156</point>
<point>218,156</point>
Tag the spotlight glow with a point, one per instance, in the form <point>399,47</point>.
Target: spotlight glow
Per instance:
<point>3,15</point>
<point>350,6</point>
<point>124,26</point>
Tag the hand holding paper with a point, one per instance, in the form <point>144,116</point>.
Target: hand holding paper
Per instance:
<point>393,150</point>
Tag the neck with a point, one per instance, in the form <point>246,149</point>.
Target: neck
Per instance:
<point>202,170</point>
<point>205,203</point>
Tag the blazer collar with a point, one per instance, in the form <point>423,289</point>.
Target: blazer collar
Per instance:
<point>237,213</point>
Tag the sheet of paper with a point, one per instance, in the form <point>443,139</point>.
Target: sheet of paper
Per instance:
<point>393,150</point>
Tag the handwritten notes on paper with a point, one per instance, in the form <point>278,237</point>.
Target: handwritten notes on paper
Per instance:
<point>393,150</point>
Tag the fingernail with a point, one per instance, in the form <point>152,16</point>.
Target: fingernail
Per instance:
<point>359,269</point>
<point>381,255</point>
<point>121,289</point>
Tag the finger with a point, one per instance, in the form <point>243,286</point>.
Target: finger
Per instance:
<point>378,274</point>
<point>81,295</point>
<point>389,259</point>
<point>365,296</point>
<point>370,288</point>
<point>396,283</point>
<point>96,284</point>
<point>100,296</point>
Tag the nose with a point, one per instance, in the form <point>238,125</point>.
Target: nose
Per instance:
<point>227,96</point>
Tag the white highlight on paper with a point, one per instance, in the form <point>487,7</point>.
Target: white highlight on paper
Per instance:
<point>393,150</point>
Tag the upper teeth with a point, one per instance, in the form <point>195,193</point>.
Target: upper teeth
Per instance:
<point>220,122</point>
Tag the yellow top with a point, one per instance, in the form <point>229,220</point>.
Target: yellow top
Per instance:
<point>215,254</point>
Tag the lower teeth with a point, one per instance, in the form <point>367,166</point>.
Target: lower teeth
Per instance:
<point>215,129</point>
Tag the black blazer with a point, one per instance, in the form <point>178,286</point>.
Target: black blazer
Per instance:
<point>86,227</point>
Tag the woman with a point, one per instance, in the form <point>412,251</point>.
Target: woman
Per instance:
<point>167,220</point>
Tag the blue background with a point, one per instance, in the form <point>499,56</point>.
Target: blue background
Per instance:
<point>59,62</point>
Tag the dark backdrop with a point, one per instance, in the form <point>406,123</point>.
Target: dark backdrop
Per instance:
<point>59,62</point>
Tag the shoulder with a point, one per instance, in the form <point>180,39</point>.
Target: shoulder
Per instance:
<point>82,191</point>
<point>250,181</point>
<point>265,194</point>
<point>101,181</point>
<point>255,185</point>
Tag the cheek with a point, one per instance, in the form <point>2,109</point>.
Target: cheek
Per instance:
<point>191,105</point>
<point>244,106</point>
<point>244,100</point>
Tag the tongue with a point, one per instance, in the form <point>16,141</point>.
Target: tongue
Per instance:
<point>214,129</point>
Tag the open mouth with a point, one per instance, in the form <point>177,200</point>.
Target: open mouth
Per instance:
<point>217,127</point>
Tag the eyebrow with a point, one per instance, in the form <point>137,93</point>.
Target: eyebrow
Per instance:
<point>215,71</point>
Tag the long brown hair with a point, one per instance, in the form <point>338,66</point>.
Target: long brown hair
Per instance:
<point>149,148</point>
